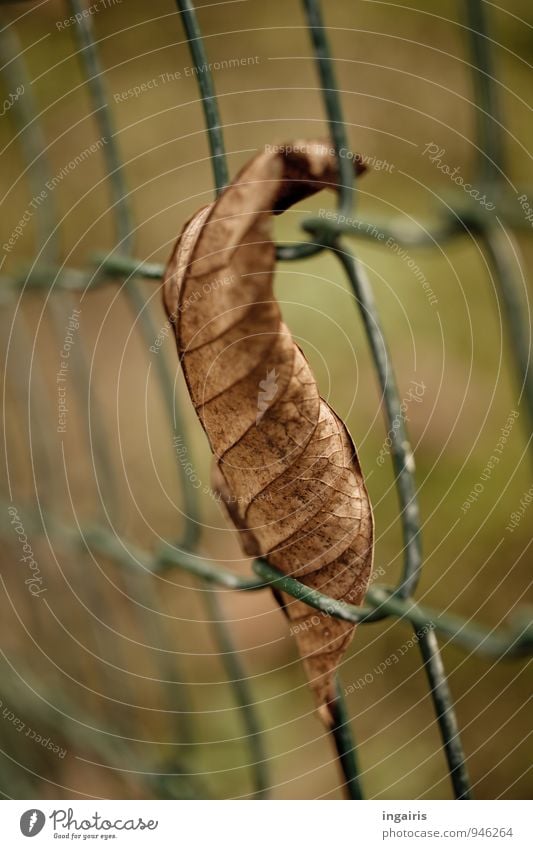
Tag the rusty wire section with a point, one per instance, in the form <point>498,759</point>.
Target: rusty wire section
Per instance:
<point>113,742</point>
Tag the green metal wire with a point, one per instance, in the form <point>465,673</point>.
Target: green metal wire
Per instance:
<point>124,223</point>
<point>20,335</point>
<point>244,698</point>
<point>207,92</point>
<point>91,62</point>
<point>491,162</point>
<point>221,179</point>
<point>345,745</point>
<point>39,173</point>
<point>137,588</point>
<point>213,124</point>
<point>381,601</point>
<point>325,234</point>
<point>384,602</point>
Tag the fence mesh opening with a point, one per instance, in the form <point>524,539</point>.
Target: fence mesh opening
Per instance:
<point>126,655</point>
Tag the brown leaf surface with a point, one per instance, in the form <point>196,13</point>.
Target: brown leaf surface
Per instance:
<point>286,465</point>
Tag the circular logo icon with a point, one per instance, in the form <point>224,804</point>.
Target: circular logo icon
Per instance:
<point>32,822</point>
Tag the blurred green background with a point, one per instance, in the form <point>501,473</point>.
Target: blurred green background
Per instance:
<point>121,668</point>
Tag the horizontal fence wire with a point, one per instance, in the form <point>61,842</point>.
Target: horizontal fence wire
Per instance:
<point>328,238</point>
<point>60,282</point>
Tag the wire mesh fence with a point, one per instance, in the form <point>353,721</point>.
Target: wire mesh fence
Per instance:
<point>104,729</point>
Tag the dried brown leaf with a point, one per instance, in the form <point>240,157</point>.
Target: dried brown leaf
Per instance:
<point>286,465</point>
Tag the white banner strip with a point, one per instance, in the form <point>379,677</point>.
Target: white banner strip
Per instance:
<point>267,825</point>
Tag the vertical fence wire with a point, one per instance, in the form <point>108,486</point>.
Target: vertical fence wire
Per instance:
<point>401,452</point>
<point>32,140</point>
<point>444,711</point>
<point>115,171</point>
<point>124,227</point>
<point>207,93</point>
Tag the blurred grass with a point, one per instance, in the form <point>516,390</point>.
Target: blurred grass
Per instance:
<point>405,83</point>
